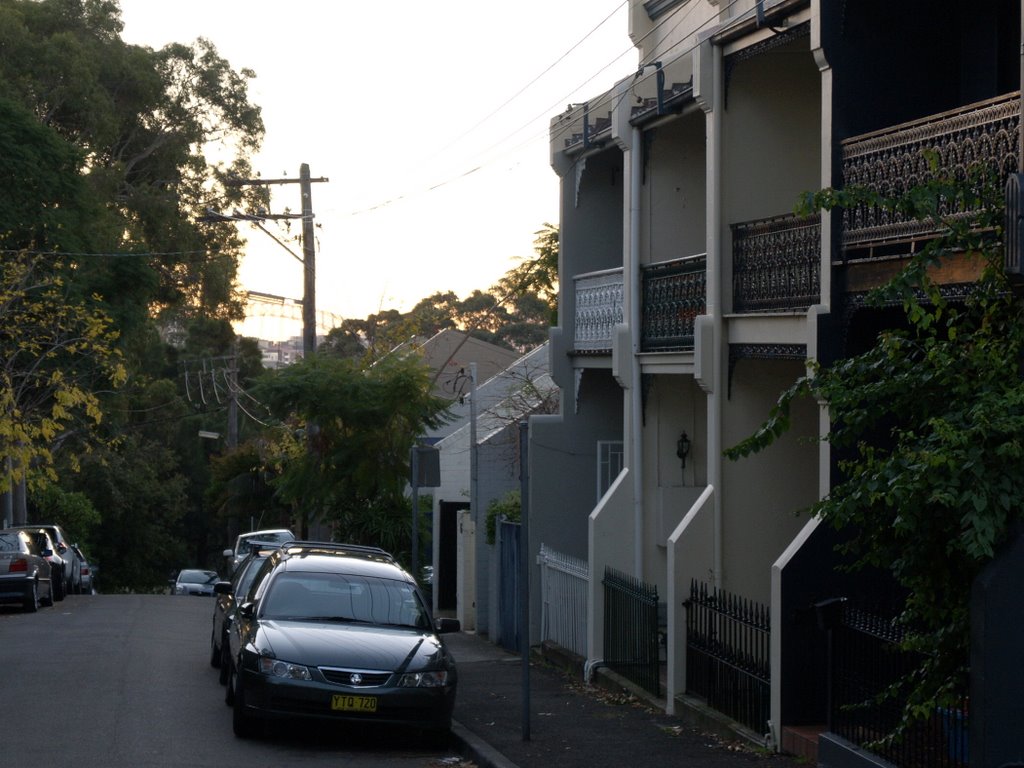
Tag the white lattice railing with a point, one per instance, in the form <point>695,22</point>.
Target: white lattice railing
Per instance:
<point>563,584</point>
<point>599,299</point>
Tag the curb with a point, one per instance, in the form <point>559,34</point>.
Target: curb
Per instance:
<point>472,747</point>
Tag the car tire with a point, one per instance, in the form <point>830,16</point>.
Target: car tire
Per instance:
<point>437,738</point>
<point>58,581</point>
<point>225,662</point>
<point>215,652</point>
<point>48,600</point>
<point>229,688</point>
<point>31,604</point>
<point>243,724</point>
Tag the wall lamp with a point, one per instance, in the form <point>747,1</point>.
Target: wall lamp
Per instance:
<point>683,448</point>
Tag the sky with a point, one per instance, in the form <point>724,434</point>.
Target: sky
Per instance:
<point>429,121</point>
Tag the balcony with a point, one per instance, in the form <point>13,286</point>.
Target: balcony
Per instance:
<point>776,264</point>
<point>599,308</point>
<point>674,293</point>
<point>891,161</point>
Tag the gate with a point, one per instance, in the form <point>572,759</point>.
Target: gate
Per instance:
<point>508,586</point>
<point>727,655</point>
<point>631,629</point>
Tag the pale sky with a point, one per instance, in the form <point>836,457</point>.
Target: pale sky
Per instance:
<point>397,103</point>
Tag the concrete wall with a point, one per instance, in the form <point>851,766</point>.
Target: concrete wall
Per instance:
<point>673,199</point>
<point>762,494</point>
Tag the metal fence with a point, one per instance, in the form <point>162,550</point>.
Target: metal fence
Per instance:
<point>866,661</point>
<point>727,654</point>
<point>631,629</point>
<point>508,586</point>
<point>563,586</point>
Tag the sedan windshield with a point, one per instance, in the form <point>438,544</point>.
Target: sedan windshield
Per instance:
<point>342,597</point>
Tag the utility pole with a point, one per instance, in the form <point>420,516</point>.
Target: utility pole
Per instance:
<point>308,247</point>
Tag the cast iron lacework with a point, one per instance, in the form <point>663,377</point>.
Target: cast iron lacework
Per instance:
<point>739,352</point>
<point>891,161</point>
<point>599,297</point>
<point>674,293</point>
<point>854,302</point>
<point>776,264</point>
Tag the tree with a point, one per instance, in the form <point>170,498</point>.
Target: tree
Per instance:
<point>344,455</point>
<point>929,427</point>
<point>55,353</point>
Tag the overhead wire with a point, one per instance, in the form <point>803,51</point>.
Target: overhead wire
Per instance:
<point>546,133</point>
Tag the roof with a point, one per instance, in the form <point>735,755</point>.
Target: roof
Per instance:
<point>449,354</point>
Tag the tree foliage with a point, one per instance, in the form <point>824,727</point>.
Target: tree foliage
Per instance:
<point>344,456</point>
<point>928,425</point>
<point>55,352</point>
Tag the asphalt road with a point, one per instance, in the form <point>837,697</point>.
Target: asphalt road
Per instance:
<point>124,681</point>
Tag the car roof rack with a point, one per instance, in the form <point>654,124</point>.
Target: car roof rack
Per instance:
<point>338,547</point>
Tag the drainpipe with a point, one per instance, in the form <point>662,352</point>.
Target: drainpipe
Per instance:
<point>715,292</point>
<point>636,404</point>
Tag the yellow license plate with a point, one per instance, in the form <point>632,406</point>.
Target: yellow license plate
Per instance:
<point>344,703</point>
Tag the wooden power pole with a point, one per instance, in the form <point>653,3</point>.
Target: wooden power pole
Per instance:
<point>308,247</point>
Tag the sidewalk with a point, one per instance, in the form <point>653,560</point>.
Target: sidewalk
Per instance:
<point>572,724</point>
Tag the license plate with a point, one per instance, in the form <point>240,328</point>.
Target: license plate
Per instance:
<point>344,703</point>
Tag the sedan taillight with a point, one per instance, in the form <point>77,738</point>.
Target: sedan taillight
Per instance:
<point>19,565</point>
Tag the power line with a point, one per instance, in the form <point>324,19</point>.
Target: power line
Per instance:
<point>711,21</point>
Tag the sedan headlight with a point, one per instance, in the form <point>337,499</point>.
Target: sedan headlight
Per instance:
<point>278,668</point>
<point>423,680</point>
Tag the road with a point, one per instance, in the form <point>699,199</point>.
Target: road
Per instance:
<point>124,681</point>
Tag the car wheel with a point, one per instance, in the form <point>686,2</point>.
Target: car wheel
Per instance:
<point>229,689</point>
<point>48,600</point>
<point>58,581</point>
<point>243,724</point>
<point>215,654</point>
<point>437,738</point>
<point>31,604</point>
<point>225,662</point>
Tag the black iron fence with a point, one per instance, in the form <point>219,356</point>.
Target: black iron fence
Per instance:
<point>727,654</point>
<point>867,660</point>
<point>631,629</point>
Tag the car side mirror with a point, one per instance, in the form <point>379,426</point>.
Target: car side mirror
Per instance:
<point>447,626</point>
<point>229,553</point>
<point>47,553</point>
<point>247,610</point>
<point>222,588</point>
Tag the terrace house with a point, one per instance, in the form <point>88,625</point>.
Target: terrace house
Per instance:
<point>692,295</point>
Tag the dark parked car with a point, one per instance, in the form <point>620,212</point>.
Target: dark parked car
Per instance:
<point>226,602</point>
<point>194,581</point>
<point>336,632</point>
<point>70,567</point>
<point>24,570</point>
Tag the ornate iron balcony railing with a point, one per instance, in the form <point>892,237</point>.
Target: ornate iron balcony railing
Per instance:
<point>599,302</point>
<point>674,293</point>
<point>776,264</point>
<point>891,161</point>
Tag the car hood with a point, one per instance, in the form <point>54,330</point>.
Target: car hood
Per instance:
<point>351,646</point>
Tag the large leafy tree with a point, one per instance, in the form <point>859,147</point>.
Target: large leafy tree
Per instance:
<point>928,425</point>
<point>344,456</point>
<point>109,155</point>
